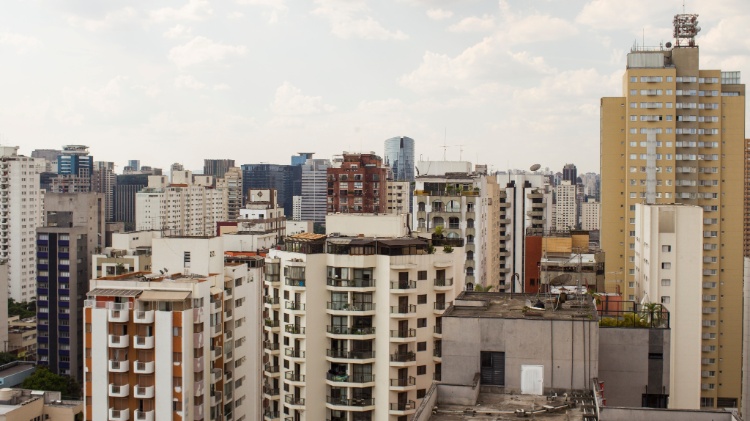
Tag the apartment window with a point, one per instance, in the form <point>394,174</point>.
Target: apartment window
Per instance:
<point>176,331</point>
<point>666,265</point>
<point>422,299</point>
<point>421,275</point>
<point>422,322</point>
<point>421,370</point>
<point>665,299</point>
<point>666,248</point>
<point>666,282</point>
<point>421,393</point>
<point>421,346</point>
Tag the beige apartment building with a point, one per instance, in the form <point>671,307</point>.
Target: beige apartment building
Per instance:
<point>677,135</point>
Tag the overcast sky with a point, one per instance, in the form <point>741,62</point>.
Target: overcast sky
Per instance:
<point>514,82</point>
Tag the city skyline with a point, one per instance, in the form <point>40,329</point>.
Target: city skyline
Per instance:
<point>484,75</point>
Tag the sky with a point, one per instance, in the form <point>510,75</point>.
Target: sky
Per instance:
<point>503,83</point>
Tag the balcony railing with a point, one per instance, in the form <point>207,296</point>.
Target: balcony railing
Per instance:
<point>350,355</point>
<point>444,282</point>
<point>404,333</point>
<point>350,402</point>
<point>271,323</point>
<point>294,305</point>
<point>404,357</point>
<point>351,283</point>
<point>344,306</point>
<point>345,330</point>
<point>271,346</point>
<point>294,329</point>
<point>404,382</point>
<point>403,309</point>
<point>442,306</point>
<point>294,353</point>
<point>294,400</point>
<point>295,377</point>
<point>403,285</point>
<point>403,406</point>
<point>271,300</point>
<point>354,378</point>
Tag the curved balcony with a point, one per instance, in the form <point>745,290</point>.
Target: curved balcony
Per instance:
<point>404,335</point>
<point>294,378</point>
<point>119,390</point>
<point>147,317</point>
<point>272,326</point>
<point>271,416</point>
<point>270,393</point>
<point>355,380</point>
<point>271,347</point>
<point>119,414</point>
<point>271,370</point>
<point>140,367</point>
<point>345,332</point>
<point>404,384</point>
<point>119,366</point>
<point>355,285</point>
<point>437,331</point>
<point>402,408</point>
<point>295,402</point>
<point>294,353</point>
<point>344,356</point>
<point>445,284</point>
<point>403,311</point>
<point>143,342</point>
<point>143,415</point>
<point>354,404</point>
<point>294,306</point>
<point>405,359</point>
<point>272,280</point>
<point>294,330</point>
<point>271,302</point>
<point>119,341</point>
<point>439,308</point>
<point>403,287</point>
<point>357,309</point>
<point>119,316</point>
<point>295,284</point>
<point>143,392</point>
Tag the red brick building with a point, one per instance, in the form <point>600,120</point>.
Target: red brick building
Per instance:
<point>358,185</point>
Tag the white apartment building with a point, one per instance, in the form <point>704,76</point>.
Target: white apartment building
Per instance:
<point>130,252</point>
<point>231,187</point>
<point>590,214</point>
<point>21,211</point>
<point>397,196</point>
<point>296,208</point>
<point>197,322</point>
<point>333,304</point>
<point>313,206</point>
<point>525,205</point>
<point>566,206</point>
<point>262,214</point>
<point>187,205</point>
<point>668,270</point>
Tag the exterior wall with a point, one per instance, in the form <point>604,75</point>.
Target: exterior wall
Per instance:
<point>297,227</point>
<point>590,215</point>
<point>399,155</point>
<point>701,146</point>
<point>532,275</point>
<point>314,190</point>
<point>648,414</point>
<point>382,226</point>
<point>398,197</point>
<point>568,350</point>
<point>206,254</point>
<point>668,266</point>
<point>634,361</point>
<point>358,185</point>
<point>566,206</point>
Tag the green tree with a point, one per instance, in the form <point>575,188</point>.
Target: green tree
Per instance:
<point>481,288</point>
<point>24,310</point>
<point>43,379</point>
<point>6,357</point>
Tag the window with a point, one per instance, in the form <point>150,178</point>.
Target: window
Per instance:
<point>422,299</point>
<point>666,249</point>
<point>421,346</point>
<point>421,275</point>
<point>666,282</point>
<point>666,265</point>
<point>421,370</point>
<point>665,299</point>
<point>492,368</point>
<point>422,322</point>
<point>421,393</point>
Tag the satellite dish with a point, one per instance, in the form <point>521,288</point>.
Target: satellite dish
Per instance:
<point>560,280</point>
<point>669,45</point>
<point>535,167</point>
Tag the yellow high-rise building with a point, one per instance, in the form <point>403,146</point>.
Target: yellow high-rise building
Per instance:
<point>677,136</point>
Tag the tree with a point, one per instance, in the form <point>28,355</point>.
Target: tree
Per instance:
<point>43,379</point>
<point>480,288</point>
<point>24,310</point>
<point>6,357</point>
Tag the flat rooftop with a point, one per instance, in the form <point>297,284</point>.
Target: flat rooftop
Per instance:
<point>523,306</point>
<point>498,406</point>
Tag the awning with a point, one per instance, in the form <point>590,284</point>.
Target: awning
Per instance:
<point>152,295</point>
<point>113,292</point>
<point>216,290</point>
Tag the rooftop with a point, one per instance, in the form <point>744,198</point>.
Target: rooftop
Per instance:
<point>523,306</point>
<point>498,406</point>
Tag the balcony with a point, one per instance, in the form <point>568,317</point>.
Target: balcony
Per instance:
<point>119,341</point>
<point>143,415</point>
<point>438,331</point>
<point>146,317</point>
<point>294,329</point>
<point>292,400</point>
<point>140,367</point>
<point>271,370</point>
<point>273,302</point>
<point>403,359</point>
<point>216,330</point>
<point>356,332</point>
<point>272,325</point>
<point>272,347</point>
<point>294,353</point>
<point>119,391</point>
<point>198,364</point>
<point>271,392</point>
<point>342,354</point>
<point>143,342</point>
<point>402,408</point>
<point>293,306</point>
<point>143,392</point>
<point>443,284</point>
<point>228,315</point>
<point>272,280</point>
<point>119,414</point>
<point>216,307</point>
<point>271,416</point>
<point>344,307</point>
<point>198,388</point>
<point>403,384</point>
<point>216,398</point>
<point>119,316</point>
<point>295,283</point>
<point>440,307</point>
<point>291,376</point>
<point>216,353</point>
<point>354,404</point>
<point>358,379</point>
<point>119,366</point>
<point>354,284</point>
<point>404,311</point>
<point>403,287</point>
<point>403,335</point>
<point>198,412</point>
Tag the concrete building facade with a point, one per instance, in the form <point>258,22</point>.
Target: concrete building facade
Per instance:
<point>678,135</point>
<point>590,215</point>
<point>357,184</point>
<point>566,206</point>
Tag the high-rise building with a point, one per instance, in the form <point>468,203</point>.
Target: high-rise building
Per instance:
<point>566,206</point>
<point>103,181</point>
<point>73,232</point>
<point>356,184</point>
<point>590,214</point>
<point>188,205</point>
<point>20,213</point>
<point>314,189</point>
<point>399,155</point>
<point>262,215</point>
<point>301,158</point>
<point>217,167</point>
<point>75,168</point>
<point>134,165</point>
<point>570,173</point>
<point>397,196</point>
<point>668,269</point>
<point>50,156</point>
<point>230,184</point>
<point>677,136</point>
<point>199,319</point>
<point>285,179</point>
<point>384,296</point>
<point>123,197</point>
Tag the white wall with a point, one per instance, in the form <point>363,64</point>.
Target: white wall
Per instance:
<point>367,225</point>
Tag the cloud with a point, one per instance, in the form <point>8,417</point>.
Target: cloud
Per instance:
<point>201,50</point>
<point>178,31</point>
<point>439,14</point>
<point>290,101</point>
<point>274,9</point>
<point>193,10</point>
<point>21,43</point>
<point>350,19</point>
<point>609,15</point>
<point>110,20</point>
<point>76,102</point>
<point>482,23</point>
<point>188,82</point>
